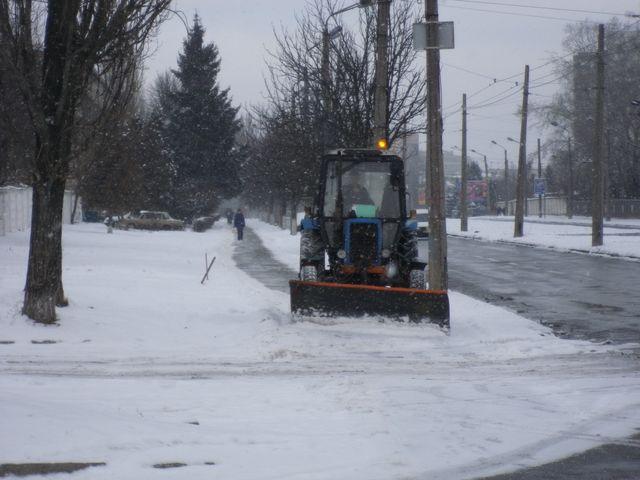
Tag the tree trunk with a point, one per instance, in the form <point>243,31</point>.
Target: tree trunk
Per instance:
<point>75,206</point>
<point>43,290</point>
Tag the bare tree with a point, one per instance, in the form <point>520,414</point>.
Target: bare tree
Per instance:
<point>299,123</point>
<point>79,40</point>
<point>572,111</point>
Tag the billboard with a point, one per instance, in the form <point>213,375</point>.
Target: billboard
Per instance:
<point>477,191</point>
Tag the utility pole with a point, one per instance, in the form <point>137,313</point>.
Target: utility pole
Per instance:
<point>325,74</point>
<point>382,74</point>
<point>463,169</point>
<point>506,183</point>
<point>540,177</point>
<point>597,186</point>
<point>518,230</point>
<point>506,177</point>
<point>486,176</point>
<point>607,163</point>
<point>438,279</point>
<point>571,187</point>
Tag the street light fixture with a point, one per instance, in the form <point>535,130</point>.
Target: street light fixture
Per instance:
<point>486,174</point>
<point>325,72</point>
<point>486,165</point>
<point>570,192</point>
<point>506,174</point>
<point>524,181</point>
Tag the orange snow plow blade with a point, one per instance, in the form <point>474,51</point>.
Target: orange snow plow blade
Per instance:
<point>342,299</point>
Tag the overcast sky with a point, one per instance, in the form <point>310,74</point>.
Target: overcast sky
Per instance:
<point>488,43</point>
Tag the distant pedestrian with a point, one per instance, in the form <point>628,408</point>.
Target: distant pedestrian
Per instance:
<point>229,215</point>
<point>238,222</point>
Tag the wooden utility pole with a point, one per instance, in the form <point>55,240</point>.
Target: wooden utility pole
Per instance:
<point>518,230</point>
<point>607,162</point>
<point>597,208</point>
<point>382,73</point>
<point>506,183</point>
<point>463,169</point>
<point>438,279</point>
<point>540,177</point>
<point>325,72</point>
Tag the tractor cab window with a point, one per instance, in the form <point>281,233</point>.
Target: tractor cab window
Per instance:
<point>369,190</point>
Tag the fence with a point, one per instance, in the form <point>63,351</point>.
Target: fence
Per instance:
<point>15,209</point>
<point>615,207</point>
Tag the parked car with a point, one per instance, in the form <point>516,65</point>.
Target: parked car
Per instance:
<point>148,220</point>
<point>92,216</point>
<point>422,216</point>
<point>201,224</point>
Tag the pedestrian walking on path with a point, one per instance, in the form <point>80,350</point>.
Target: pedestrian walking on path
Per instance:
<point>238,222</point>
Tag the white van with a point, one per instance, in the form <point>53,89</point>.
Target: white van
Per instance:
<point>422,217</point>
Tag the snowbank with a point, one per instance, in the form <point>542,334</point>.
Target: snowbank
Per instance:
<point>149,366</point>
<point>570,235</point>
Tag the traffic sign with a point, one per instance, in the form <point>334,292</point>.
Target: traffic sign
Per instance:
<point>539,186</point>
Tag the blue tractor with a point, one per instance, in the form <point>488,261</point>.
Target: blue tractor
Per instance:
<point>358,249</point>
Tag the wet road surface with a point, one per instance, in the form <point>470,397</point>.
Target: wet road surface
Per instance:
<point>608,462</point>
<point>580,296</point>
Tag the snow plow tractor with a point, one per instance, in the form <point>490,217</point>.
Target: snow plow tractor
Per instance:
<point>358,249</point>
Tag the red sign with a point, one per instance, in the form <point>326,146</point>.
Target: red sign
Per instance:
<point>477,190</point>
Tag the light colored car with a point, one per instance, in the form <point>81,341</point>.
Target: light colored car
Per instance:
<point>148,220</point>
<point>422,217</point>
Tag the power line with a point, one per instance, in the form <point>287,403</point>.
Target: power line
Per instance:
<point>553,80</point>
<point>517,14</point>
<point>495,102</point>
<point>471,72</point>
<point>538,7</point>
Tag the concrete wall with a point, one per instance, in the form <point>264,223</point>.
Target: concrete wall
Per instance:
<point>15,209</point>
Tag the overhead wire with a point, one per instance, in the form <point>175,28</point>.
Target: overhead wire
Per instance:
<point>496,80</point>
<point>495,102</point>
<point>517,14</point>
<point>539,7</point>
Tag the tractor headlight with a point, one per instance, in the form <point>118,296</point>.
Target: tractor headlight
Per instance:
<point>342,254</point>
<point>385,253</point>
<point>391,269</point>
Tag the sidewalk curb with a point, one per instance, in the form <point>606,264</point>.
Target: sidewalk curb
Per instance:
<point>629,258</point>
<point>619,226</point>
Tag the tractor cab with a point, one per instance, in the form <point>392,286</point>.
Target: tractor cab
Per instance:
<point>361,210</point>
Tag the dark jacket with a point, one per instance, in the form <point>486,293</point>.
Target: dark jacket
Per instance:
<point>238,220</point>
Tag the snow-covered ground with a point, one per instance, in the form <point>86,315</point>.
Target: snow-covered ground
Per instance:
<point>149,366</point>
<point>572,235</point>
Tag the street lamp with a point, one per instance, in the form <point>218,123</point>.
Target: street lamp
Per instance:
<point>570,162</point>
<point>486,165</point>
<point>486,174</point>
<point>325,69</point>
<point>521,182</point>
<point>506,174</point>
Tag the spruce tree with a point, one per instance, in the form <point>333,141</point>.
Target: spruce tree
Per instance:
<point>200,128</point>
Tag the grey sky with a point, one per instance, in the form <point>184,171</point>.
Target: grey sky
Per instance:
<point>488,43</point>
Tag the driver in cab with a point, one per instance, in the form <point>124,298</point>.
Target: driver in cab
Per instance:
<point>354,193</point>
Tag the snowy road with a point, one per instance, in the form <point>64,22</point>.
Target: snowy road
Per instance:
<point>148,366</point>
<point>581,296</point>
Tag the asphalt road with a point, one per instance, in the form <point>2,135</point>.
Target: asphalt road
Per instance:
<point>579,296</point>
